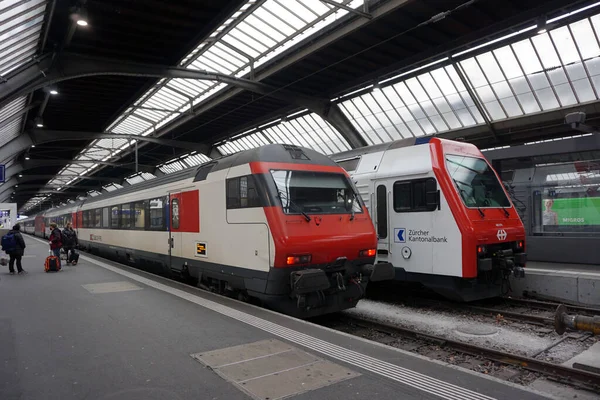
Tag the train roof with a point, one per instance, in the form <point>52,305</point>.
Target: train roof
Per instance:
<point>415,141</point>
<point>279,153</point>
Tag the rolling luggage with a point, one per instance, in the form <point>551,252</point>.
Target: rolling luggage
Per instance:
<point>52,263</point>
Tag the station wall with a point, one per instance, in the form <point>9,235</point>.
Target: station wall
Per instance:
<point>555,187</point>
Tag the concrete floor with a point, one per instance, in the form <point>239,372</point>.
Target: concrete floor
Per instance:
<point>102,331</point>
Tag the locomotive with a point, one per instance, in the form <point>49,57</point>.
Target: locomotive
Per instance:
<point>280,223</point>
<point>442,215</point>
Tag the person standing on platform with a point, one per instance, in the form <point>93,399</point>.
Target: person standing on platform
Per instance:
<point>69,241</point>
<point>55,241</point>
<point>14,245</point>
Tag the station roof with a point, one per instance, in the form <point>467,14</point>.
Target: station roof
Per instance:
<point>329,75</point>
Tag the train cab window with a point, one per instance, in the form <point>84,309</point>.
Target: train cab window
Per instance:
<point>139,215</point>
<point>242,193</point>
<point>349,165</point>
<point>106,217</point>
<point>416,196</point>
<point>156,208</point>
<point>203,171</point>
<point>114,217</point>
<point>98,218</point>
<point>126,216</point>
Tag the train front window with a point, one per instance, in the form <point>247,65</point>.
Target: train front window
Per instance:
<point>315,193</point>
<point>476,182</point>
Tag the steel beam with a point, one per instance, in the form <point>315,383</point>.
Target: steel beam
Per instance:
<point>37,75</point>
<point>29,186</point>
<point>349,9</point>
<point>29,178</point>
<point>8,186</point>
<point>45,136</point>
<point>30,164</point>
<point>72,66</point>
<point>15,146</point>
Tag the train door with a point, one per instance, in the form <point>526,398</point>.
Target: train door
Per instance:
<point>184,226</point>
<point>381,216</point>
<point>410,225</point>
<point>175,229</point>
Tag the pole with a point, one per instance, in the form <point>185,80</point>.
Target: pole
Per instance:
<point>136,156</point>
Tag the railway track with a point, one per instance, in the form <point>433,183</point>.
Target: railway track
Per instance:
<point>529,311</point>
<point>573,377</point>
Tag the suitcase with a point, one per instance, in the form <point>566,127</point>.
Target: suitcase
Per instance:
<point>74,258</point>
<point>52,264</point>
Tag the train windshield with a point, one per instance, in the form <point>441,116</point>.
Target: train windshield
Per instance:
<point>303,192</point>
<point>476,182</point>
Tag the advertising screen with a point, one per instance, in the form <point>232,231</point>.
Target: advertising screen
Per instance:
<point>571,211</point>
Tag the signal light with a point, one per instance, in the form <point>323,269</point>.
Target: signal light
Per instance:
<point>520,245</point>
<point>367,253</point>
<point>481,250</point>
<point>295,260</point>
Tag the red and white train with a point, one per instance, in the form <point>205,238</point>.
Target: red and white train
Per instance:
<point>443,217</point>
<point>279,223</point>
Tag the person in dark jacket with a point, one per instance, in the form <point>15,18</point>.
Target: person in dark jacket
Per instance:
<point>17,253</point>
<point>69,241</point>
<point>55,240</point>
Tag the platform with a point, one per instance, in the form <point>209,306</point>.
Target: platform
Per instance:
<point>104,331</point>
<point>570,283</point>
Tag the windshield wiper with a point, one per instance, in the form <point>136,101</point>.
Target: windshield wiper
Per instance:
<point>296,206</point>
<point>481,212</point>
<point>506,213</point>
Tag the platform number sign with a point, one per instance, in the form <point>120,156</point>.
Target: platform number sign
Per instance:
<point>201,249</point>
<point>2,173</point>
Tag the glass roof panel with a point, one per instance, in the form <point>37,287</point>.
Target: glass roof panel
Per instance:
<point>11,129</point>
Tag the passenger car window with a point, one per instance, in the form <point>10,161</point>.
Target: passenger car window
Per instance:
<point>114,217</point>
<point>416,195</point>
<point>157,211</point>
<point>126,216</point>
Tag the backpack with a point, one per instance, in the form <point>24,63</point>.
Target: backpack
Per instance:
<point>9,242</point>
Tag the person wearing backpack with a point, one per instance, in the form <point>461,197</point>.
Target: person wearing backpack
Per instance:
<point>55,241</point>
<point>14,245</point>
<point>69,242</point>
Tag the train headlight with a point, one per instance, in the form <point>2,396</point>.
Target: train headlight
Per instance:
<point>481,250</point>
<point>367,253</point>
<point>301,259</point>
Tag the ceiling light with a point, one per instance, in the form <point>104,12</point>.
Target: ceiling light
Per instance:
<point>20,176</point>
<point>33,145</point>
<point>81,17</point>
<point>27,157</point>
<point>39,122</point>
<point>53,92</point>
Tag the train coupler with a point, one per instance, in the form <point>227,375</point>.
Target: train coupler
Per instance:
<point>379,272</point>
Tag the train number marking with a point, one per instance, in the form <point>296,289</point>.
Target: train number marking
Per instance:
<point>201,249</point>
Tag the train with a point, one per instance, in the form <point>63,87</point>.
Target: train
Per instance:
<point>280,224</point>
<point>443,217</point>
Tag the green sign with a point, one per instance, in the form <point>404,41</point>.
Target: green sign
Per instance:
<point>576,211</point>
